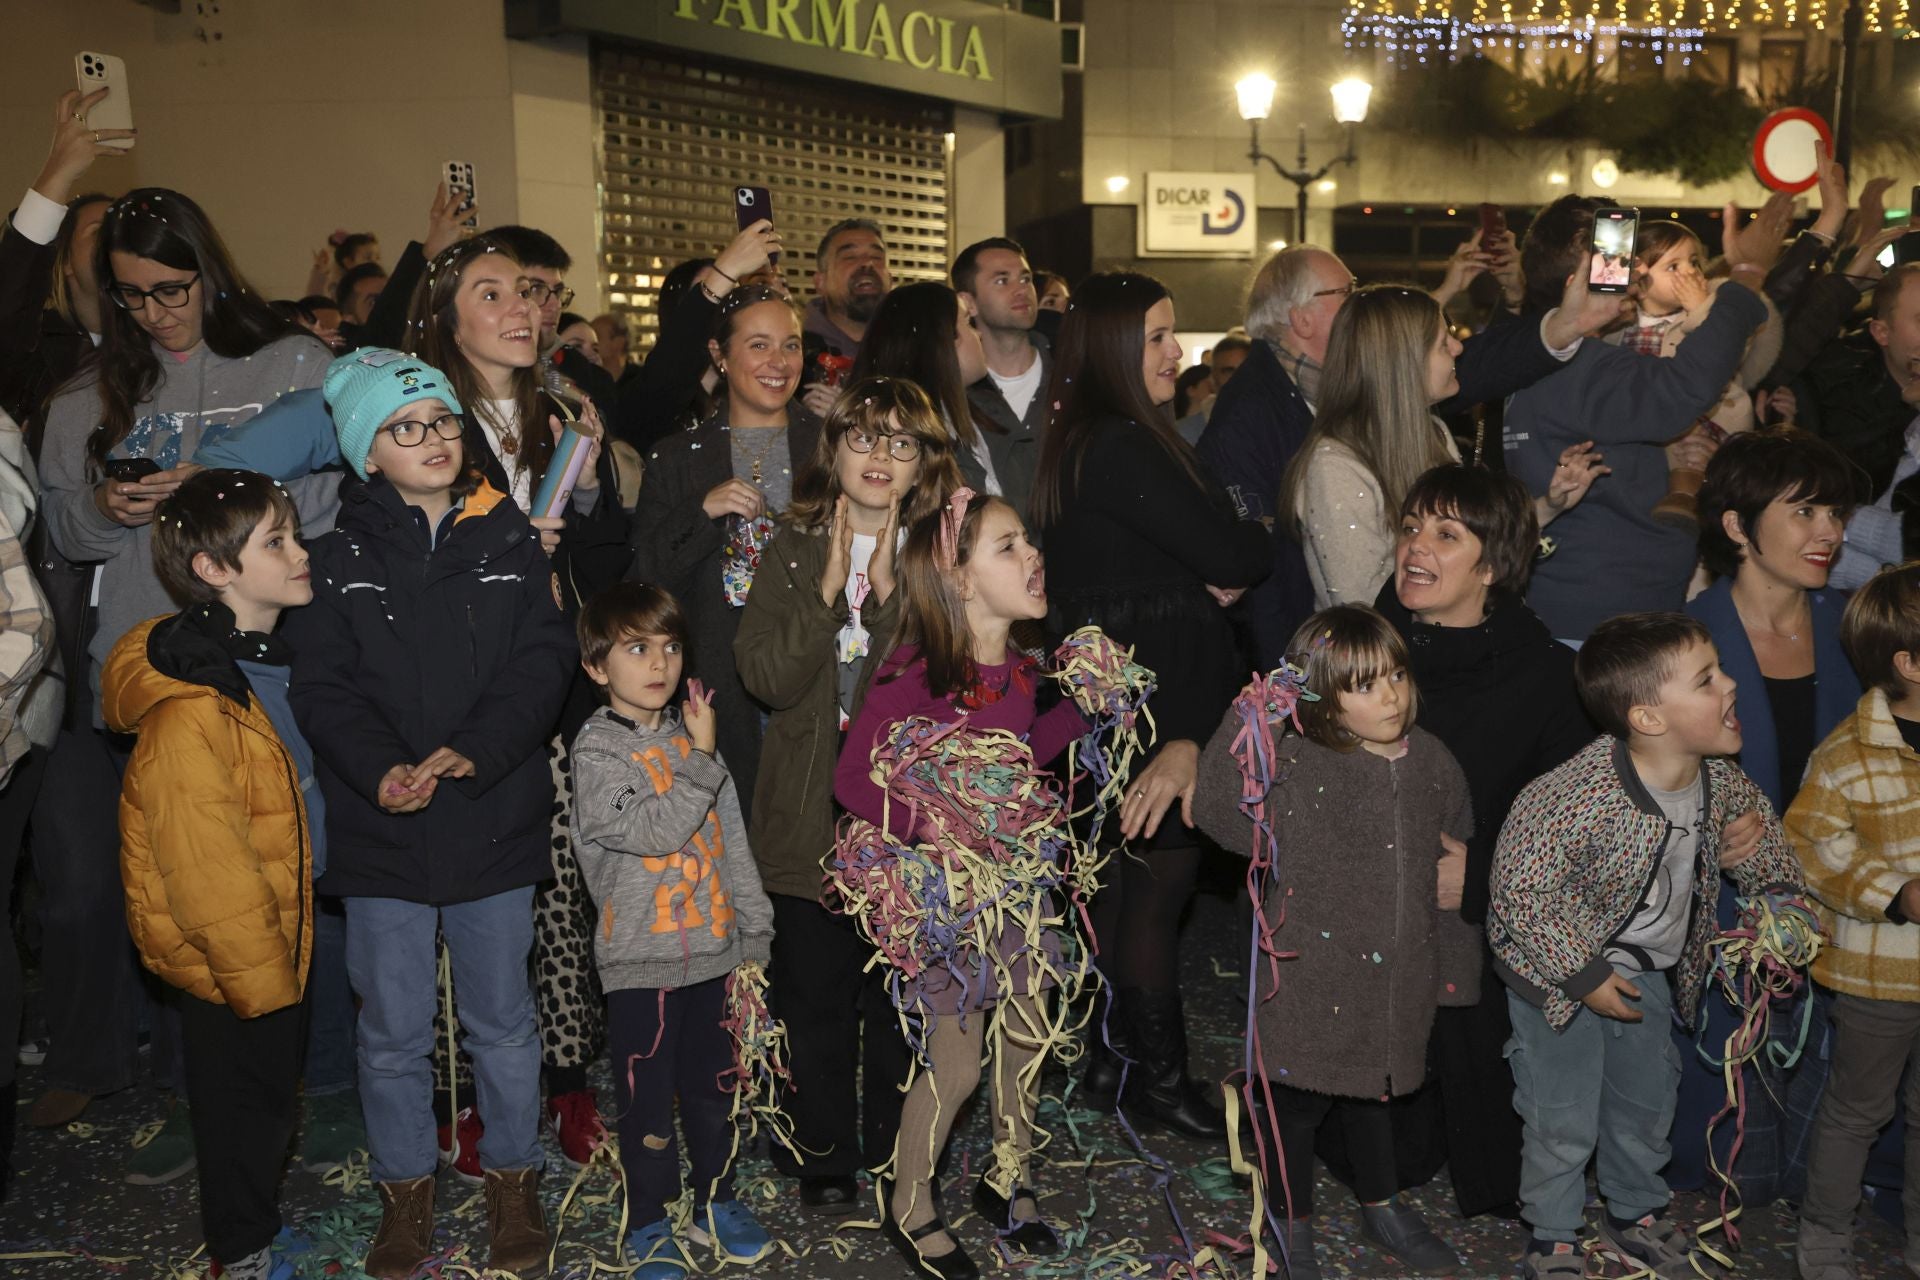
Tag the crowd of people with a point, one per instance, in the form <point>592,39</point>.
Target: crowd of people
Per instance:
<point>1526,780</point>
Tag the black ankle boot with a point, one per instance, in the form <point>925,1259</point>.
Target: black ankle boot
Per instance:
<point>1158,1087</point>
<point>1100,1083</point>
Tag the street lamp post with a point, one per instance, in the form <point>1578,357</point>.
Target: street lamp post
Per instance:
<point>1350,98</point>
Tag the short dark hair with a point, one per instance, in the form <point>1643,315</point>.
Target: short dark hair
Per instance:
<point>841,228</point>
<point>1495,508</point>
<point>1881,620</point>
<point>675,285</point>
<point>352,277</point>
<point>1886,294</point>
<point>214,512</point>
<point>624,611</point>
<point>966,267</point>
<point>1339,649</point>
<point>1626,660</point>
<point>568,319</point>
<point>1231,342</point>
<point>1754,469</point>
<point>348,245</point>
<point>316,300</point>
<point>1556,244</point>
<point>531,247</point>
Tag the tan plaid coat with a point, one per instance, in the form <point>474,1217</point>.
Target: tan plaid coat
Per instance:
<point>1855,826</point>
<point>26,638</point>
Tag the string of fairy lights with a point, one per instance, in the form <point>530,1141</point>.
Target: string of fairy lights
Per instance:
<point>1413,32</point>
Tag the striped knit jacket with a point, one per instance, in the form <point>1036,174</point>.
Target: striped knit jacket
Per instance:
<point>1580,847</point>
<point>1856,828</point>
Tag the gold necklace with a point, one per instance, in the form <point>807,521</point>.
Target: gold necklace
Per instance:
<point>774,436</point>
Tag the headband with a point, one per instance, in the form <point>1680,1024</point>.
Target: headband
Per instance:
<point>952,516</point>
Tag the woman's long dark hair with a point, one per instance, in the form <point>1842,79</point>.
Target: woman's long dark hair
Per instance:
<point>1097,374</point>
<point>912,336</point>
<point>431,322</point>
<point>166,227</point>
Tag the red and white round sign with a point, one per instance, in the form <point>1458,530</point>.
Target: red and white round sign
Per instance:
<point>1786,149</point>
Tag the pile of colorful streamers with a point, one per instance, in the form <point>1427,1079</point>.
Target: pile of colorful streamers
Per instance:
<point>1759,963</point>
<point>759,1069</point>
<point>1264,709</point>
<point>1111,689</point>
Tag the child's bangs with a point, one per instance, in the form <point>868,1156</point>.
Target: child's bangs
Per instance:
<point>1362,659</point>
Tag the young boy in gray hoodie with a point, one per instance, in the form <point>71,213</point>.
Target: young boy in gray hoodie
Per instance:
<point>660,841</point>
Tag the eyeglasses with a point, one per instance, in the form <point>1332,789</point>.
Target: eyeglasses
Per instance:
<point>901,448</point>
<point>172,295</point>
<point>410,435</point>
<point>539,291</point>
<point>1342,291</point>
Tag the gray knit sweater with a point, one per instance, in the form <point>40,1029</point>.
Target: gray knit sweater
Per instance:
<point>660,842</point>
<point>1353,898</point>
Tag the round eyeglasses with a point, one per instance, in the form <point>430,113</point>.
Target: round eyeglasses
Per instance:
<point>900,447</point>
<point>539,291</point>
<point>408,435</point>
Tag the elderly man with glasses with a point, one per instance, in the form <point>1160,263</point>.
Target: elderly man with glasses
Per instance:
<point>1263,414</point>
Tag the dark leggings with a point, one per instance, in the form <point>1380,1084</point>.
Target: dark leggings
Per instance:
<point>1136,914</point>
<point>1367,1126</point>
<point>693,1051</point>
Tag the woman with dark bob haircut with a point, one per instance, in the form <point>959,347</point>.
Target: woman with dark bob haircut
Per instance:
<point>1497,690</point>
<point>1773,514</point>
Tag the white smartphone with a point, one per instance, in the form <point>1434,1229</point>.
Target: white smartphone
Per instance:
<point>93,72</point>
<point>458,175</point>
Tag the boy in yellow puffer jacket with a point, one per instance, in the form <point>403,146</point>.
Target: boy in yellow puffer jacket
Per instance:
<point>221,834</point>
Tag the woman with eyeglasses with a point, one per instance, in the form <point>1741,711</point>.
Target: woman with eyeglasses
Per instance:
<point>187,351</point>
<point>1142,542</point>
<point>823,605</point>
<point>712,494</point>
<point>1390,359</point>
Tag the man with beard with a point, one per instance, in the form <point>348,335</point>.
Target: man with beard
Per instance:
<point>850,278</point>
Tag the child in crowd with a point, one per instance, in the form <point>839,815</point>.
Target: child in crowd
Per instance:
<point>1604,884</point>
<point>966,575</point>
<point>1669,264</point>
<point>433,664</point>
<point>1367,812</point>
<point>221,834</point>
<point>659,837</point>
<point>1856,830</point>
<point>825,601</point>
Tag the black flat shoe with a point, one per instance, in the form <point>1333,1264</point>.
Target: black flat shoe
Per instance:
<point>1028,1235</point>
<point>948,1266</point>
<point>830,1193</point>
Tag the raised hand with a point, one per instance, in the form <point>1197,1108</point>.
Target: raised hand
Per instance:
<point>446,222</point>
<point>76,145</point>
<point>839,566</point>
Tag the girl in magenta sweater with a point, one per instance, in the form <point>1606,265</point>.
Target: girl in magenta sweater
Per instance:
<point>966,575</point>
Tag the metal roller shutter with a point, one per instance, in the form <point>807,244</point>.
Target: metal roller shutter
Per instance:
<point>676,136</point>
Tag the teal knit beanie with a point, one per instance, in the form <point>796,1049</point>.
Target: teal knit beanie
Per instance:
<point>366,387</point>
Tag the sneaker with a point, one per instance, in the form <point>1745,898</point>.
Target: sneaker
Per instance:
<point>167,1155</point>
<point>1821,1253</point>
<point>576,1122</point>
<point>460,1146</point>
<point>1658,1245</point>
<point>1404,1234</point>
<point>659,1253</point>
<point>733,1227</point>
<point>1559,1261</point>
<point>333,1131</point>
<point>267,1264</point>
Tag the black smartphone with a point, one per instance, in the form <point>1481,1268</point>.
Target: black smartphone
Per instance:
<point>131,470</point>
<point>1610,251</point>
<point>750,205</point>
<point>1493,221</point>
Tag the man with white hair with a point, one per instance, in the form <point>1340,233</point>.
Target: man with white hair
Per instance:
<point>1263,414</point>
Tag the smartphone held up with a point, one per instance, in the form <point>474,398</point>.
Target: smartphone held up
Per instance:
<point>751,205</point>
<point>1610,268</point>
<point>93,72</point>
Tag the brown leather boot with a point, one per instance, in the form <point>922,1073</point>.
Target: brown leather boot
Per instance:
<point>405,1238</point>
<point>517,1239</point>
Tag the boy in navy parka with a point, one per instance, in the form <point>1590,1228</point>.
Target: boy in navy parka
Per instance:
<point>433,663</point>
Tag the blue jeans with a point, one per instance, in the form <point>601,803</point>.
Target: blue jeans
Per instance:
<point>330,997</point>
<point>1600,1087</point>
<point>392,962</point>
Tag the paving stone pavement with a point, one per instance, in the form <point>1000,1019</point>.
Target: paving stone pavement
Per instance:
<point>69,1200</point>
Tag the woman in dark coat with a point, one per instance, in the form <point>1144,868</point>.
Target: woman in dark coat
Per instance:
<point>706,509</point>
<point>1498,691</point>
<point>1143,543</point>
